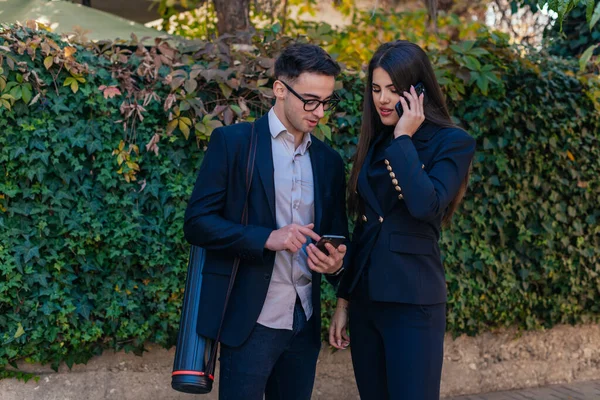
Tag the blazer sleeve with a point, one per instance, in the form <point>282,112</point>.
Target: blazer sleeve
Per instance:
<point>427,194</point>
<point>348,274</point>
<point>340,218</point>
<point>204,224</point>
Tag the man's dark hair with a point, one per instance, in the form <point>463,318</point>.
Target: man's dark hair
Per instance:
<point>299,58</point>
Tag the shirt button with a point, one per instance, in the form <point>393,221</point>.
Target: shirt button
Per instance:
<point>386,161</point>
<point>398,189</point>
<point>380,220</point>
<point>364,218</point>
<point>395,182</point>
<point>400,196</point>
<point>392,175</point>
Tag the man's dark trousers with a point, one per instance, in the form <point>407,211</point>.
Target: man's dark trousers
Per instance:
<point>278,363</point>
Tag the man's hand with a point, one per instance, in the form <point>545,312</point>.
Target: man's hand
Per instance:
<point>291,237</point>
<point>319,262</point>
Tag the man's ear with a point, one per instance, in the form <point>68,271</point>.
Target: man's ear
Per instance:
<point>279,90</point>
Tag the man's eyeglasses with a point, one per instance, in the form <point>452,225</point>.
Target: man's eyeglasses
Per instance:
<point>313,104</point>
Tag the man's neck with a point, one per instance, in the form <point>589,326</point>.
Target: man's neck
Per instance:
<point>298,136</point>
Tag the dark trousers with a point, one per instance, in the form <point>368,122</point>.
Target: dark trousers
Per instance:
<point>277,363</point>
<point>397,349</point>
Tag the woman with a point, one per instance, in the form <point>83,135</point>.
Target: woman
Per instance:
<point>409,175</point>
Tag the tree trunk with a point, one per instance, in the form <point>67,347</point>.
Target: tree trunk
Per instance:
<point>233,15</point>
<point>465,8</point>
<point>284,16</point>
<point>432,9</point>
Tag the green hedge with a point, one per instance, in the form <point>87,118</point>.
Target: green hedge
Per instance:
<point>100,144</point>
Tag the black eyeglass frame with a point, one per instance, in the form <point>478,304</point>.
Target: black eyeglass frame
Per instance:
<point>328,105</point>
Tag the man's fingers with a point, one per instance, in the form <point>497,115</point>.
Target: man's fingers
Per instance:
<point>332,259</point>
<point>301,238</point>
<point>297,244</point>
<point>311,255</point>
<point>339,254</point>
<point>309,232</point>
<point>292,245</point>
<point>314,266</point>
<point>336,255</point>
<point>318,253</point>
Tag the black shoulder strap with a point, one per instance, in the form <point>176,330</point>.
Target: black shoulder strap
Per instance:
<point>210,367</point>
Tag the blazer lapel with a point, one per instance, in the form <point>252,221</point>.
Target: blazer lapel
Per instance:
<point>264,162</point>
<point>363,184</point>
<point>420,138</point>
<point>388,137</point>
<point>424,134</point>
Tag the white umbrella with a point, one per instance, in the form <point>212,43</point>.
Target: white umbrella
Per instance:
<point>65,17</point>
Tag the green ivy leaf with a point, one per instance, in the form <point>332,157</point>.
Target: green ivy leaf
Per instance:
<point>32,252</point>
<point>26,93</point>
<point>20,331</point>
<point>585,57</point>
<point>595,16</point>
<point>84,309</point>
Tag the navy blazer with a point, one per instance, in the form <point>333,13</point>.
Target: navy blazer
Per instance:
<point>395,242</point>
<point>212,221</point>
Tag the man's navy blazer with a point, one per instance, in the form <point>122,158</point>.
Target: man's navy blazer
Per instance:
<point>395,242</point>
<point>213,216</point>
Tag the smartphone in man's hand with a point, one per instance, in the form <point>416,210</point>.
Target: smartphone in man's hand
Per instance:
<point>334,240</point>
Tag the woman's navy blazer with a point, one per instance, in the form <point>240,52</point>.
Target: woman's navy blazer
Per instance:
<point>395,241</point>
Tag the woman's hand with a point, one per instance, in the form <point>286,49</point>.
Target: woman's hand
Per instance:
<point>413,115</point>
<point>338,330</point>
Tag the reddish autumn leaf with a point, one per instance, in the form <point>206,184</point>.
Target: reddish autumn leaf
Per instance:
<point>153,144</point>
<point>109,91</point>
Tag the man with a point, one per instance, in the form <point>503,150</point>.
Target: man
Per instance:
<point>271,333</point>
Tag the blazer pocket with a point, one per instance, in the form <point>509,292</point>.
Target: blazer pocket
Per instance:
<point>411,243</point>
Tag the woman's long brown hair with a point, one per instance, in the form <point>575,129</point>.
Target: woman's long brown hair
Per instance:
<point>407,64</point>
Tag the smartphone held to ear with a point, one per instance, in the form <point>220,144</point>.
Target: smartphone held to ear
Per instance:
<point>334,240</point>
<point>419,88</point>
